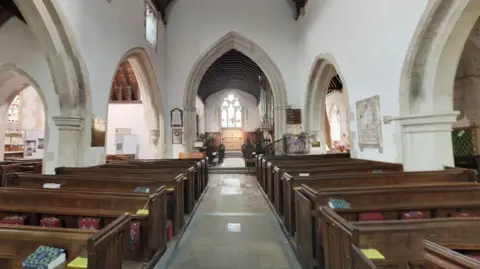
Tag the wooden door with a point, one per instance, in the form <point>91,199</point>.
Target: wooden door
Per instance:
<point>232,139</point>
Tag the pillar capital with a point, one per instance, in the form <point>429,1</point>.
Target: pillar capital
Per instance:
<point>426,140</point>
<point>69,122</point>
<point>425,123</point>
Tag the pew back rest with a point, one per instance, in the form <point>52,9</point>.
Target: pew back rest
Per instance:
<point>18,242</point>
<point>399,197</point>
<point>439,257</point>
<point>56,201</point>
<point>319,181</point>
<point>109,244</point>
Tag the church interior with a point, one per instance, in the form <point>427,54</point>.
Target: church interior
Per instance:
<point>176,134</point>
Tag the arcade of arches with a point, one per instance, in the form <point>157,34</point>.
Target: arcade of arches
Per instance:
<point>79,86</point>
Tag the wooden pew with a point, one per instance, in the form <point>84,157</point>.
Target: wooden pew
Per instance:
<point>175,199</point>
<point>398,242</point>
<point>100,247</point>
<point>261,160</point>
<point>282,194</point>
<point>294,199</point>
<point>193,179</point>
<point>186,189</point>
<point>437,202</point>
<point>275,171</point>
<point>68,206</point>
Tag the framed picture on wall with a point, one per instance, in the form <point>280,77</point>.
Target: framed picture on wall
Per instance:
<point>177,136</point>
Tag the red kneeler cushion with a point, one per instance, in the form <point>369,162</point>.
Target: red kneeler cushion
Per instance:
<point>89,224</point>
<point>50,222</point>
<point>17,220</point>
<point>460,215</point>
<point>135,235</point>
<point>412,215</point>
<point>372,216</point>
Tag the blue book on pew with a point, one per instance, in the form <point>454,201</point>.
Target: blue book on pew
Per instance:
<point>142,190</point>
<point>338,203</point>
<point>45,257</point>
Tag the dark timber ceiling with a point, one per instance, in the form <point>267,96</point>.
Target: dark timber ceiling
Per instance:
<point>124,79</point>
<point>8,9</point>
<point>335,85</point>
<point>233,70</point>
<point>162,5</point>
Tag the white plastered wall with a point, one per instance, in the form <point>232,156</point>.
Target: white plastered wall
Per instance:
<point>369,51</point>
<point>104,33</point>
<point>339,100</point>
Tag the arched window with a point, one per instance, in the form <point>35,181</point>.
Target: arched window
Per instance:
<point>335,127</point>
<point>14,110</point>
<point>231,112</point>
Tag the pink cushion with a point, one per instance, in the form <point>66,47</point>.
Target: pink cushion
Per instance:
<point>50,222</point>
<point>460,215</point>
<point>89,224</point>
<point>413,215</point>
<point>372,216</point>
<point>16,220</point>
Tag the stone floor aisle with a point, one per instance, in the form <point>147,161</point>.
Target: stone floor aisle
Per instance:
<point>233,228</point>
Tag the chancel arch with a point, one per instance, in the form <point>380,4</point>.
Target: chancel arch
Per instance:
<point>135,111</point>
<point>326,103</point>
<point>234,43</point>
<point>430,72</point>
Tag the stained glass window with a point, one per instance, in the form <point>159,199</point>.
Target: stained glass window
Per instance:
<point>151,24</point>
<point>231,112</point>
<point>14,110</point>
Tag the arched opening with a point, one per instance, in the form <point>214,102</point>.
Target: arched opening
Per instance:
<point>23,111</point>
<point>135,113</point>
<point>25,123</point>
<point>237,65</point>
<point>327,108</point>
<point>439,74</point>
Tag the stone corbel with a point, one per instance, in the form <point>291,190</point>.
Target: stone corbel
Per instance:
<point>154,136</point>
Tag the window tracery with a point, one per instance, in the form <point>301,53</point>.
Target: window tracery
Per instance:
<point>14,110</point>
<point>231,112</point>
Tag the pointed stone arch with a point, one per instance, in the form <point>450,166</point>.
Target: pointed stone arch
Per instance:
<point>152,96</point>
<point>70,79</point>
<point>427,84</point>
<point>323,70</point>
<point>233,40</point>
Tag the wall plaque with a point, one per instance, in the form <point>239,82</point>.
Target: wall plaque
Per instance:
<point>369,123</point>
<point>293,116</point>
<point>176,117</point>
<point>177,136</point>
<point>98,132</point>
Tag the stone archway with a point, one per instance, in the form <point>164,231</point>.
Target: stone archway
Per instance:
<point>21,78</point>
<point>233,40</point>
<point>152,96</point>
<point>70,79</point>
<point>427,83</point>
<point>323,70</point>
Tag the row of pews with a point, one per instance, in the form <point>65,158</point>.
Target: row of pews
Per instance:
<point>349,213</point>
<point>124,214</point>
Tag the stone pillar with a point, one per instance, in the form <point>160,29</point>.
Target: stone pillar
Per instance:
<point>280,121</point>
<point>189,128</point>
<point>70,135</point>
<point>426,141</point>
